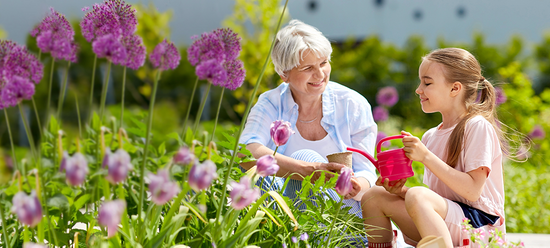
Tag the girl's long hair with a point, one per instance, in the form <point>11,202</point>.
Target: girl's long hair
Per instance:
<point>480,97</point>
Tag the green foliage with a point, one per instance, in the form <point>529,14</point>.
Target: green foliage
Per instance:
<point>3,33</point>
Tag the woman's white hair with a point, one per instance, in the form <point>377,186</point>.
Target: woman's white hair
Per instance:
<point>291,43</point>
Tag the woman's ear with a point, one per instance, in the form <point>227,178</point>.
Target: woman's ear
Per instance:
<point>456,89</point>
<point>284,77</point>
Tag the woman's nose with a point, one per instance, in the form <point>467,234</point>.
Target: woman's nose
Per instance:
<point>319,73</point>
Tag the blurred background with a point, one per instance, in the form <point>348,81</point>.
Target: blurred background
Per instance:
<point>377,43</point>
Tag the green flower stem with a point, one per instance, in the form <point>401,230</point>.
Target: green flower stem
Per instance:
<point>5,237</point>
<point>248,107</point>
<point>174,207</point>
<point>50,86</point>
<point>11,141</point>
<point>339,206</point>
<point>122,99</point>
<point>78,114</point>
<point>29,133</point>
<point>62,93</point>
<point>104,92</point>
<point>217,114</point>
<point>37,117</point>
<point>189,109</point>
<point>146,148</point>
<point>90,105</point>
<point>201,108</point>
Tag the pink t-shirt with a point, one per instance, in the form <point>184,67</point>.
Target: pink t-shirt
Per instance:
<point>481,148</point>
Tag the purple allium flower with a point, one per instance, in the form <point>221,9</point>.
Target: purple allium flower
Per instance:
<point>55,35</point>
<point>100,21</point>
<point>108,46</point>
<point>33,245</point>
<point>16,90</point>
<point>235,74</point>
<point>294,240</point>
<point>16,60</point>
<point>161,187</point>
<point>380,113</point>
<point>501,96</point>
<point>125,14</point>
<point>343,183</point>
<point>304,237</point>
<point>280,132</point>
<point>231,42</point>
<point>387,96</point>
<point>213,71</point>
<point>266,166</point>
<point>135,51</point>
<point>165,56</point>
<point>119,164</point>
<point>243,194</point>
<point>380,136</point>
<point>110,214</point>
<point>202,175</point>
<point>76,168</point>
<point>183,156</point>
<point>27,208</point>
<point>64,161</point>
<point>537,132</point>
<point>208,46</point>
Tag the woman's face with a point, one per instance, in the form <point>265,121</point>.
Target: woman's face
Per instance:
<point>309,78</point>
<point>433,90</point>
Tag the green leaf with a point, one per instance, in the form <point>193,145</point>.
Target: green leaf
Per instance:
<point>162,149</point>
<point>189,136</point>
<point>157,240</point>
<point>59,201</point>
<point>175,136</point>
<point>81,201</point>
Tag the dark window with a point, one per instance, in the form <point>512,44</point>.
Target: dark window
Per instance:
<point>312,5</point>
<point>461,11</point>
<point>417,15</point>
<point>378,3</point>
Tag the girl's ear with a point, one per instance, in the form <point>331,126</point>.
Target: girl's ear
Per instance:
<point>456,89</point>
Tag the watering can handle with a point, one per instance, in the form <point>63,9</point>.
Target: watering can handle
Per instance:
<point>379,145</point>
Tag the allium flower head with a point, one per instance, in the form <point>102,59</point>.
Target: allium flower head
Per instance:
<point>537,133</point>
<point>235,74</point>
<point>125,14</point>
<point>16,90</point>
<point>55,35</point>
<point>135,51</point>
<point>243,194</point>
<point>165,56</point>
<point>161,187</point>
<point>501,96</point>
<point>76,168</point>
<point>231,42</point>
<point>343,183</point>
<point>208,46</point>
<point>380,113</point>
<point>110,47</point>
<point>27,208</point>
<point>380,136</point>
<point>119,164</point>
<point>101,20</point>
<point>183,156</point>
<point>16,60</point>
<point>280,132</point>
<point>266,166</point>
<point>202,175</point>
<point>387,96</point>
<point>110,214</point>
<point>213,71</point>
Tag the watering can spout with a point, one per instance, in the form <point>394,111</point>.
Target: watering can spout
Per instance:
<point>371,158</point>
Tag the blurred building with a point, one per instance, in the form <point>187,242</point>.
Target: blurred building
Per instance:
<point>392,20</point>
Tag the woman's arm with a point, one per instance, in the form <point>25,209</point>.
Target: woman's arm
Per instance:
<point>288,165</point>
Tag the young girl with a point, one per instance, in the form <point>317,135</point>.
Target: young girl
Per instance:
<point>462,157</point>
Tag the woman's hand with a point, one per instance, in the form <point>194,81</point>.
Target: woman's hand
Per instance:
<point>319,167</point>
<point>414,148</point>
<point>396,187</point>
<point>356,188</point>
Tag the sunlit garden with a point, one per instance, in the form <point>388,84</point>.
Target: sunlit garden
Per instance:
<point>114,136</point>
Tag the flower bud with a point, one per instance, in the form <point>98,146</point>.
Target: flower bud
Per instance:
<point>119,164</point>
<point>343,184</point>
<point>280,132</point>
<point>202,175</point>
<point>266,166</point>
<point>161,188</point>
<point>27,208</point>
<point>243,194</point>
<point>76,168</point>
<point>184,156</point>
<point>110,214</point>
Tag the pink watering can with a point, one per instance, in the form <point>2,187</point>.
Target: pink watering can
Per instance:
<point>392,164</point>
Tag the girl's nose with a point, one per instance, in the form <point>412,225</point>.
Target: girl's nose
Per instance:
<point>418,90</point>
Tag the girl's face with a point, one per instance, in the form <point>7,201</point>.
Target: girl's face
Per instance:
<point>310,77</point>
<point>434,90</point>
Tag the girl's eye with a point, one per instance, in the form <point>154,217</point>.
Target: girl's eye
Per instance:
<point>427,84</point>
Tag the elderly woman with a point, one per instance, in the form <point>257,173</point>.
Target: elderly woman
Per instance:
<point>327,116</point>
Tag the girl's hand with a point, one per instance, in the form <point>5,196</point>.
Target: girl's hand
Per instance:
<point>414,148</point>
<point>355,190</point>
<point>396,187</point>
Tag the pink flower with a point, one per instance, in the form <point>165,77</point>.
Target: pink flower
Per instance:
<point>501,96</point>
<point>183,156</point>
<point>243,194</point>
<point>266,166</point>
<point>161,187</point>
<point>380,136</point>
<point>280,132</point>
<point>76,168</point>
<point>110,214</point>
<point>479,233</point>
<point>380,113</point>
<point>119,164</point>
<point>387,96</point>
<point>27,208</point>
<point>537,132</point>
<point>202,175</point>
<point>343,184</point>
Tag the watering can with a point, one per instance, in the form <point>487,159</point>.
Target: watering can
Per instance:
<point>392,164</point>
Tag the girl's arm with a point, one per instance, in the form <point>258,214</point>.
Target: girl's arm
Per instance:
<point>467,184</point>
